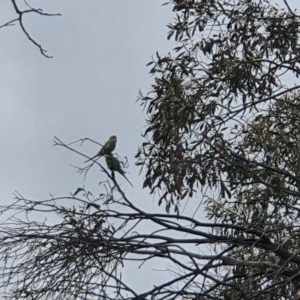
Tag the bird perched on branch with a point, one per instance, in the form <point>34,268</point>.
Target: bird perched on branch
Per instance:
<point>115,166</point>
<point>107,148</point>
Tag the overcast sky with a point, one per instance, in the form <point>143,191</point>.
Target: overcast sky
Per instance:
<point>89,89</point>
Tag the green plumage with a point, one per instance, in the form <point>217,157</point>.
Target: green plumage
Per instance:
<point>107,148</point>
<point>115,166</point>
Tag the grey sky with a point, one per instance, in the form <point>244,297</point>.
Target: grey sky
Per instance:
<point>88,89</point>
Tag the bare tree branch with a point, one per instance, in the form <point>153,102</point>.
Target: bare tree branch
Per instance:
<point>20,21</point>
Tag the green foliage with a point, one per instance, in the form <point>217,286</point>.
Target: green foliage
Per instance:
<point>230,66</point>
<point>227,100</point>
<point>222,122</point>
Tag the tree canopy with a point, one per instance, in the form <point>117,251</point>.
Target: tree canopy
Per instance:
<point>222,130</point>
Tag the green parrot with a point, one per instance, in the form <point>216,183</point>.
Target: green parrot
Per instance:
<point>114,165</point>
<point>107,148</point>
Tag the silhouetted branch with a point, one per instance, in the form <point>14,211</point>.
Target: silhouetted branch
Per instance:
<point>20,21</point>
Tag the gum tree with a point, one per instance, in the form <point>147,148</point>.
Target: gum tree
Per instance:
<point>223,122</point>
<point>222,130</point>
